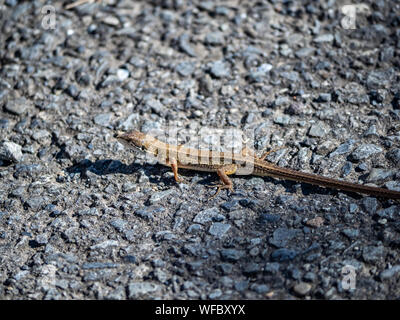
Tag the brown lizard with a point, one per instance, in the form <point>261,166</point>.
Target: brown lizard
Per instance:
<point>225,164</point>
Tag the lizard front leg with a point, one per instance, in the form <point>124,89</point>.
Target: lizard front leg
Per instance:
<point>174,166</point>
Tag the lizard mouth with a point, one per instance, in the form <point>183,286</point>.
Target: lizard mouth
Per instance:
<point>126,139</point>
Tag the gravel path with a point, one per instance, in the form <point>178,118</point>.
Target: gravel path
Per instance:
<point>81,217</point>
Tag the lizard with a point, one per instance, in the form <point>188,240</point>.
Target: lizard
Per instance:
<point>227,163</point>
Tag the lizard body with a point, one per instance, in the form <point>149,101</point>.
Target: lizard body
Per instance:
<point>244,163</point>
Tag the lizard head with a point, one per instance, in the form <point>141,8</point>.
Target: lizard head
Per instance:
<point>135,139</point>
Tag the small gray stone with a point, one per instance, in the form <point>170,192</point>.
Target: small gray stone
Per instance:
<point>219,229</point>
<point>282,236</point>
<point>304,52</point>
<point>324,97</point>
<point>128,186</point>
<point>302,289</point>
<point>42,239</point>
<point>343,148</point>
<point>378,174</point>
<point>241,285</point>
<point>232,255</point>
<point>215,294</point>
<point>211,214</point>
<point>281,101</point>
<point>373,254</point>
<point>103,119</point>
<point>379,79</point>
<point>310,277</point>
<point>260,288</point>
<point>10,151</point>
<point>365,151</point>
<point>122,74</point>
<point>185,46</point>
<point>220,69</point>
<point>324,38</point>
<point>105,244</point>
<point>283,254</point>
<point>214,38</point>
<point>99,265</point>
<point>369,204</point>
<point>317,130</point>
<point>272,267</point>
<point>351,233</point>
<point>258,74</point>
<point>390,273</point>
<point>282,120</point>
<point>119,224</point>
<point>394,156</point>
<point>155,197</point>
<point>36,203</point>
<point>139,289</point>
<point>185,68</point>
<point>346,169</point>
<point>194,228</point>
<point>371,131</point>
<point>17,106</point>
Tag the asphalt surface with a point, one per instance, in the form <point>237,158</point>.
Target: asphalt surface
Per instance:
<point>82,217</point>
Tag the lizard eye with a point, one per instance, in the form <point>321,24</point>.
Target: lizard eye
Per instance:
<point>143,148</point>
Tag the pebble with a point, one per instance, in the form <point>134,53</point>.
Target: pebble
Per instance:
<point>282,120</point>
<point>158,196</point>
<point>185,68</point>
<point>232,255</point>
<point>17,106</point>
<point>315,222</point>
<point>103,119</point>
<point>10,151</point>
<point>269,218</point>
<point>220,69</point>
<point>219,229</point>
<point>260,73</point>
<point>352,234</point>
<point>185,46</point>
<point>394,156</point>
<point>369,204</point>
<point>122,74</point>
<point>304,52</point>
<point>230,205</point>
<point>343,148</point>
<point>302,289</point>
<point>99,265</point>
<point>208,215</point>
<point>317,130</point>
<point>378,175</point>
<point>372,254</point>
<point>214,38</point>
<point>364,151</point>
<point>324,38</point>
<point>147,213</point>
<point>346,169</point>
<point>324,97</point>
<point>390,273</point>
<point>283,254</point>
<point>139,289</point>
<point>282,236</point>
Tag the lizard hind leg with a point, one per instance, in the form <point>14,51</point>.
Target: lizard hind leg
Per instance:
<point>226,181</point>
